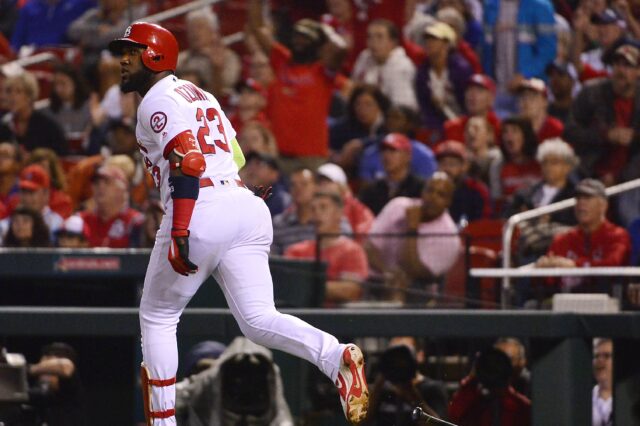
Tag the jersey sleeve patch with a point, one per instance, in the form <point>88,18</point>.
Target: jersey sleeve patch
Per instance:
<point>158,121</point>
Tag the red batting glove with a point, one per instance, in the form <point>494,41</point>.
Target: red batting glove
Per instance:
<point>179,253</point>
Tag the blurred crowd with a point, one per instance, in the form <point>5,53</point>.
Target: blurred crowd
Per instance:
<point>386,129</point>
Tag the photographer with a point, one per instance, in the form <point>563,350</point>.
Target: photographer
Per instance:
<point>242,387</point>
<point>57,392</point>
<point>399,388</point>
<point>486,398</point>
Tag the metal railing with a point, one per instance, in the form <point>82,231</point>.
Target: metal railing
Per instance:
<point>514,220</point>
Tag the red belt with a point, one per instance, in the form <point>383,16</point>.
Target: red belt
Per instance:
<point>205,182</point>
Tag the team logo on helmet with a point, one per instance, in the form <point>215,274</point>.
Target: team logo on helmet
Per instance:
<point>158,121</point>
<point>127,32</point>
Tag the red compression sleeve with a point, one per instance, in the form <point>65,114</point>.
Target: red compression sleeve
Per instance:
<point>182,211</point>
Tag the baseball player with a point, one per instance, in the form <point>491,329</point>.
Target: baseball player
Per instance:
<point>213,225</point>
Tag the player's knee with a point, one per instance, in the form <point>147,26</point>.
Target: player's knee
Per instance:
<point>257,327</point>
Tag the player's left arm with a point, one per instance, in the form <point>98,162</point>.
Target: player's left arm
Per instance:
<point>187,164</point>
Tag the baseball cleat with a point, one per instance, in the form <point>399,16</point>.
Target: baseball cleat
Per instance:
<point>352,385</point>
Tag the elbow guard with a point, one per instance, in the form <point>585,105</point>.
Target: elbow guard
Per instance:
<point>192,162</point>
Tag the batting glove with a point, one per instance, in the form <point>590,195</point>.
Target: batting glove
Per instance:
<point>179,253</point>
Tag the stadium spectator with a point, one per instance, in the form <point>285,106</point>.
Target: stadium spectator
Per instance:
<point>399,387</point>
<point>485,396</point>
<point>29,127</point>
<point>520,375</point>
<point>602,396</point>
<point>471,199</point>
<point>441,79</point>
<point>473,28</point>
<point>398,179</point>
<point>59,200</point>
<point>593,242</point>
<point>35,194</point>
<point>242,386</point>
<point>507,56</point>
<point>250,105</point>
<point>256,137</point>
<point>263,170</point>
<point>533,104</point>
<point>259,68</point>
<point>365,118</point>
<point>73,233</point>
<point>69,105</point>
<point>399,119</point>
<point>331,177</point>
<point>603,127</point>
<point>346,260</point>
<point>219,65</point>
<point>479,139</point>
<point>9,169</point>
<point>119,139</point>
<point>25,227</point>
<point>557,160</point>
<point>426,244</point>
<point>385,63</point>
<point>610,30</point>
<point>452,17</point>
<point>99,25</point>
<point>518,169</point>
<point>112,223</point>
<point>58,394</point>
<point>563,84</point>
<point>44,23</point>
<point>295,223</point>
<point>301,93</point>
<point>478,102</point>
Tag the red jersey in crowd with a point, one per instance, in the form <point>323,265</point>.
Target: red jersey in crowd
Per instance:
<point>551,128</point>
<point>522,175</point>
<point>469,407</point>
<point>298,105</point>
<point>120,231</point>
<point>346,259</point>
<point>609,245</point>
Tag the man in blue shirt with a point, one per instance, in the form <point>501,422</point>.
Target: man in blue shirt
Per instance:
<point>45,22</point>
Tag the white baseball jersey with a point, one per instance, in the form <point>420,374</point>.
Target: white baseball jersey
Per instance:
<point>173,106</point>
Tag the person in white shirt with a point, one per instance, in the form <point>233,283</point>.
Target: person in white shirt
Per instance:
<point>602,402</point>
<point>385,64</point>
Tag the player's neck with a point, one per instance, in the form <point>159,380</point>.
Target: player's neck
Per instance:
<point>152,81</point>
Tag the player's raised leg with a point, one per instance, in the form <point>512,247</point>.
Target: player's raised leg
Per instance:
<point>244,276</point>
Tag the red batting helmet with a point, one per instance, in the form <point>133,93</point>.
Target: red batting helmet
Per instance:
<point>161,47</point>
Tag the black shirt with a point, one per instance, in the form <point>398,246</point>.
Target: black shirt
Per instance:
<point>43,131</point>
<point>377,194</point>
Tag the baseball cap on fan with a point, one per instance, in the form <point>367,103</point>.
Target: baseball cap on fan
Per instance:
<point>441,31</point>
<point>112,173</point>
<point>533,84</point>
<point>591,188</point>
<point>630,53</point>
<point>483,81</point>
<point>396,142</point>
<point>73,226</point>
<point>34,177</point>
<point>333,172</point>
<point>608,16</point>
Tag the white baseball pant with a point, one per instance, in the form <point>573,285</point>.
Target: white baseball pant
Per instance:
<point>231,233</point>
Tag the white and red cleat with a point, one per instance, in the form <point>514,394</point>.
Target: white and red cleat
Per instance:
<point>352,385</point>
